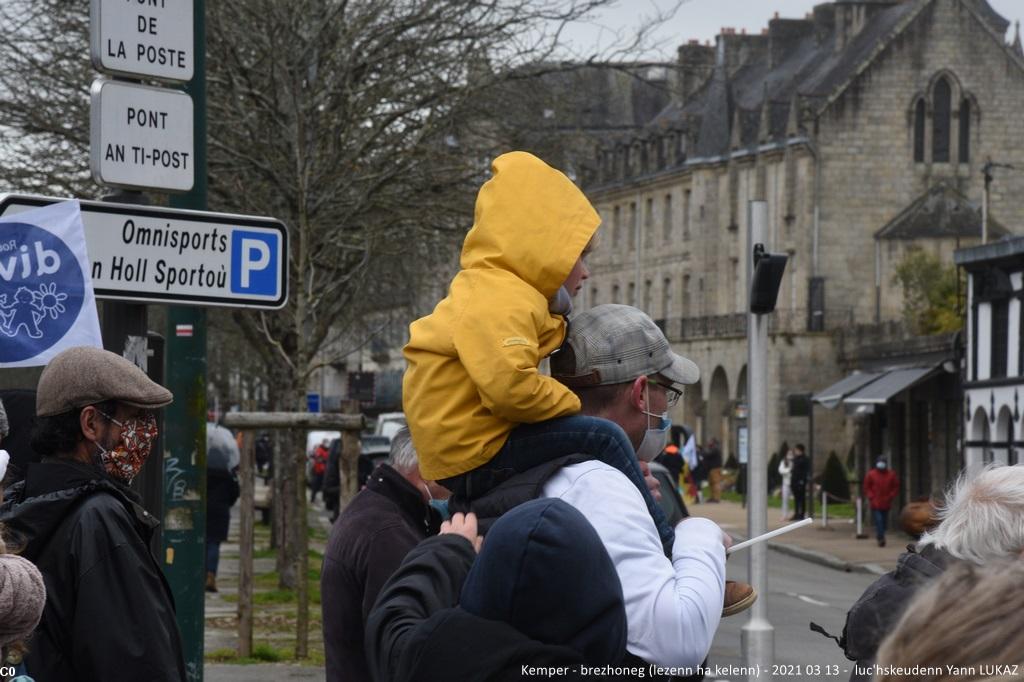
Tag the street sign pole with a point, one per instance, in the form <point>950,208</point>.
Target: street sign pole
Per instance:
<point>185,453</point>
<point>757,635</point>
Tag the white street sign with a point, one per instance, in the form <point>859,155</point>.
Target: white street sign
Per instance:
<point>161,255</point>
<point>141,137</point>
<point>143,38</point>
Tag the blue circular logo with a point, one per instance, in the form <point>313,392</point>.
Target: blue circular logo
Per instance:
<point>41,290</point>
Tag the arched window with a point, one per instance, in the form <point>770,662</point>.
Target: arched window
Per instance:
<point>919,131</point>
<point>965,131</point>
<point>615,294</point>
<point>941,112</point>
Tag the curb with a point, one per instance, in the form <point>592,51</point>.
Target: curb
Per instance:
<point>826,559</point>
<point>820,558</point>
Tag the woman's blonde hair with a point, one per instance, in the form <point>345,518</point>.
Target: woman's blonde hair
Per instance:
<point>971,618</point>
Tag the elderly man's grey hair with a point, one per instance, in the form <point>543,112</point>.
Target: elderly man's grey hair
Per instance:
<point>403,454</point>
<point>5,428</point>
<point>983,517</point>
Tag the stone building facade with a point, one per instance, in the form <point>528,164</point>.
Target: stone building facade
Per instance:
<point>865,127</point>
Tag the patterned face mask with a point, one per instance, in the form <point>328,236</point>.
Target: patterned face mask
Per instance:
<point>131,452</point>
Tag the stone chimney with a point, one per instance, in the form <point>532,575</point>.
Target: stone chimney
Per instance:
<point>852,15</point>
<point>695,65</point>
<point>738,49</point>
<point>784,35</point>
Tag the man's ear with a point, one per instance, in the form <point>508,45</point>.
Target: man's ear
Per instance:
<point>88,421</point>
<point>637,393</point>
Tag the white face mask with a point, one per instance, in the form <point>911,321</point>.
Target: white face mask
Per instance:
<point>654,439</point>
<point>4,459</point>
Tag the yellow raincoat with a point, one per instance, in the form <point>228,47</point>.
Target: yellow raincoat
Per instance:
<point>472,364</point>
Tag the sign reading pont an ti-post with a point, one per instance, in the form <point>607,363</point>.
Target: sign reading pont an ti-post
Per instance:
<point>141,137</point>
<point>143,38</point>
<point>159,255</point>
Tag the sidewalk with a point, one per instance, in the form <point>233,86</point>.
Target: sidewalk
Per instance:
<point>835,546</point>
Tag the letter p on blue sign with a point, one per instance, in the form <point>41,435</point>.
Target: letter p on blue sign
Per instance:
<point>254,262</point>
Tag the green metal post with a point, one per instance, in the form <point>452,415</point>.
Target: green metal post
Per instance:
<point>185,451</point>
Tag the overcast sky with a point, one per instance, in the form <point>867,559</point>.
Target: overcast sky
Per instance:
<point>703,19</point>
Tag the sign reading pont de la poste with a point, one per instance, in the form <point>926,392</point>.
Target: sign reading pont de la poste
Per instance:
<point>143,38</point>
<point>141,137</point>
<point>159,255</point>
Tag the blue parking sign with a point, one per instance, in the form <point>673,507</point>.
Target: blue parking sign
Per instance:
<point>254,262</point>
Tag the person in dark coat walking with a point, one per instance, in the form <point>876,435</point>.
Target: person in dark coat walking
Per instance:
<point>881,486</point>
<point>385,520</point>
<point>979,523</point>
<point>222,492</point>
<point>109,614</point>
<point>449,614</point>
<point>798,480</point>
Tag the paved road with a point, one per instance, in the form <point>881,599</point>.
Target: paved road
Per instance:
<point>798,592</point>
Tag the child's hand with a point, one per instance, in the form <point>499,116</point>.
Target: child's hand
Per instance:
<point>464,525</point>
<point>653,484</point>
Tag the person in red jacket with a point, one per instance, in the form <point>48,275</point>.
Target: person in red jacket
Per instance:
<point>881,486</point>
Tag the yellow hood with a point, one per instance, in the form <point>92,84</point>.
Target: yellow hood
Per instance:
<point>530,220</point>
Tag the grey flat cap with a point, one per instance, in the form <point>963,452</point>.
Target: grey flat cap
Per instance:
<point>85,375</point>
<point>613,344</point>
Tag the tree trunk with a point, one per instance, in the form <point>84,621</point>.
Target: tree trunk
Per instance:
<point>301,548</point>
<point>286,551</point>
<point>348,462</point>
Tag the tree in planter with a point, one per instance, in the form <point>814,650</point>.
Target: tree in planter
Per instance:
<point>834,480</point>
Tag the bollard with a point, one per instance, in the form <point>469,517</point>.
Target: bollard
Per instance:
<point>860,520</point>
<point>824,509</point>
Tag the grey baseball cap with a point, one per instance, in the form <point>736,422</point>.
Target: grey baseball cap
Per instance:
<point>84,375</point>
<point>614,344</point>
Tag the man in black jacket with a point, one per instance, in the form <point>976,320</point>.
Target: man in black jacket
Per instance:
<point>367,543</point>
<point>109,613</point>
<point>543,594</point>
<point>798,480</point>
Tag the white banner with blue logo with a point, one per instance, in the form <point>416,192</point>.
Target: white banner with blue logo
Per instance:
<point>46,299</point>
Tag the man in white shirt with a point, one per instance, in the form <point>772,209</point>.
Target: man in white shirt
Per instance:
<point>621,366</point>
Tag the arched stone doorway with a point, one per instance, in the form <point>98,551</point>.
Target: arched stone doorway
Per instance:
<point>978,452</point>
<point>1002,446</point>
<point>717,419</point>
<point>691,410</point>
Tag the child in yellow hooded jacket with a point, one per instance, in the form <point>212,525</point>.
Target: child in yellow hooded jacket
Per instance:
<point>478,408</point>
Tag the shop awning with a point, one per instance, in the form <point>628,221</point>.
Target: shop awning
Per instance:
<point>834,394</point>
<point>894,381</point>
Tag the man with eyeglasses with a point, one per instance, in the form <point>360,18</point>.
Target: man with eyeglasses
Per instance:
<point>109,613</point>
<point>621,366</point>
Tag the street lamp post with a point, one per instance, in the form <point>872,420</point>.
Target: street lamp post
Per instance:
<point>758,635</point>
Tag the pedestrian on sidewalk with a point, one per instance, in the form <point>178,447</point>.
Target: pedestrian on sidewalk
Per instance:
<point>318,468</point>
<point>222,491</point>
<point>881,486</point>
<point>798,480</point>
<point>713,465</point>
<point>786,471</point>
<point>386,519</point>
<point>979,522</point>
<point>448,614</point>
<point>109,613</point>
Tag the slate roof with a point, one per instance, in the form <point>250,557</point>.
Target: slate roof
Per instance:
<point>807,65</point>
<point>941,212</point>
